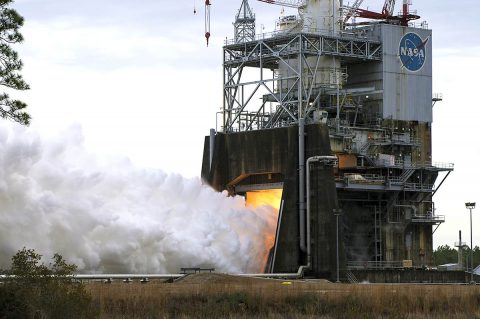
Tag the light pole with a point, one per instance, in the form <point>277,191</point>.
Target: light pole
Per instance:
<point>337,213</point>
<point>471,206</point>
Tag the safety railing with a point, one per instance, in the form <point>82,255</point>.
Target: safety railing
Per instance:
<point>395,180</point>
<point>460,244</point>
<point>419,165</point>
<point>443,165</point>
<point>364,178</point>
<point>375,264</point>
<point>397,140</point>
<point>406,140</point>
<point>421,25</point>
<point>429,218</point>
<point>419,187</point>
<point>324,32</point>
<point>352,178</point>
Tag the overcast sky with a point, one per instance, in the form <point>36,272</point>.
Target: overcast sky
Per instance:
<point>138,78</point>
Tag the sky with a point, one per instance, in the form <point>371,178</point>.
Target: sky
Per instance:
<point>138,79</point>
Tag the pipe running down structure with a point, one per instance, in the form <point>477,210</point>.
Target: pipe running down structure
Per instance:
<point>325,160</point>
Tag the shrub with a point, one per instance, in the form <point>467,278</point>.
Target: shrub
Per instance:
<point>36,290</point>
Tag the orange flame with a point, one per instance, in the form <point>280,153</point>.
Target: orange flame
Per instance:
<point>271,197</point>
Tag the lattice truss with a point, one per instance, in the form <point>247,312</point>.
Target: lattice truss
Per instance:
<point>244,24</point>
<point>273,82</point>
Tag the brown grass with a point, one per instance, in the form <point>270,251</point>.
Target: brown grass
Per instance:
<point>217,296</point>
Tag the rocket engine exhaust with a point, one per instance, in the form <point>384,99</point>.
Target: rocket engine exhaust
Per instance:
<point>111,217</point>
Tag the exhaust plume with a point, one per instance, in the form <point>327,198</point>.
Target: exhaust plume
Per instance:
<point>110,217</point>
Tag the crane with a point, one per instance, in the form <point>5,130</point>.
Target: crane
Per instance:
<point>354,10</point>
<point>387,13</point>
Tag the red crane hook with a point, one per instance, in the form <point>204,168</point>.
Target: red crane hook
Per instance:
<point>207,36</point>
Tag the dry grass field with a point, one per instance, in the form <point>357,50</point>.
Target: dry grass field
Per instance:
<point>222,296</point>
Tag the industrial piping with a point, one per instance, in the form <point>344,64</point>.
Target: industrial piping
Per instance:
<point>110,277</point>
<point>328,160</point>
<point>212,145</point>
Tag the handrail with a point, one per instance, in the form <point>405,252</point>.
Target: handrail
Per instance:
<point>428,218</point>
<point>419,186</point>
<point>375,264</point>
<point>325,32</point>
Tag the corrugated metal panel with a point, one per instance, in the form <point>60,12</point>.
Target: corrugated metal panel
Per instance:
<point>407,95</point>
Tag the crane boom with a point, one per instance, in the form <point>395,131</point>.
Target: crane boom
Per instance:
<point>350,11</point>
<point>388,7</point>
<point>286,3</point>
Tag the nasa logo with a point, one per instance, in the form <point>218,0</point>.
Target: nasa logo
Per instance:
<point>412,51</point>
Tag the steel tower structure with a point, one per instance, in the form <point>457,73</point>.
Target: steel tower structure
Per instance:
<point>315,87</point>
<point>244,24</point>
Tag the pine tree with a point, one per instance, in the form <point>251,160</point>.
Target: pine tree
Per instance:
<point>10,64</point>
<point>445,255</point>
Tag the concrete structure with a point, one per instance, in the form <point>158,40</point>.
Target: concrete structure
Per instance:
<point>362,94</point>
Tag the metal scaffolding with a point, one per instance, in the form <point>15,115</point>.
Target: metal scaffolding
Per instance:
<point>300,54</point>
<point>381,134</point>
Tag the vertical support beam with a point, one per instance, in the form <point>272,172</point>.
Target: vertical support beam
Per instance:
<point>337,84</point>
<point>224,93</point>
<point>471,248</point>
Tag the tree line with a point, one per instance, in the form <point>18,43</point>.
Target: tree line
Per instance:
<point>448,255</point>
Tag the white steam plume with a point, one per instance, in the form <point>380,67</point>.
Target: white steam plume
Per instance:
<point>114,218</point>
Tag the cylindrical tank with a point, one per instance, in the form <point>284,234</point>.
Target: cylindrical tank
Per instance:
<point>287,24</point>
<point>317,16</point>
<point>321,16</point>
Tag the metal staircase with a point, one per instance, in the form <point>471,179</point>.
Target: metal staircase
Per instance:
<point>365,147</point>
<point>351,277</point>
<point>406,174</point>
<point>403,178</point>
